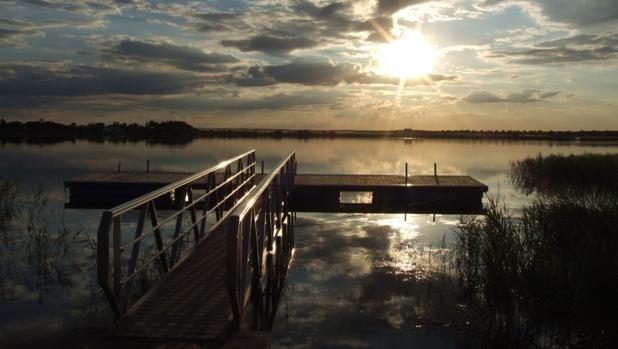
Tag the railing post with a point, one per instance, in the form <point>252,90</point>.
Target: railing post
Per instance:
<point>117,242</point>
<point>180,204</point>
<point>154,220</point>
<point>232,228</point>
<point>134,254</point>
<point>103,272</point>
<point>193,213</point>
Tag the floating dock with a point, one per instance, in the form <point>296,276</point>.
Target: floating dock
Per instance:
<point>311,193</point>
<point>168,275</point>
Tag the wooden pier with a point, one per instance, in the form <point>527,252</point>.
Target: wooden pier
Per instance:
<point>311,193</point>
<point>200,256</point>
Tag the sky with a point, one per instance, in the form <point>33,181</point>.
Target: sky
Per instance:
<point>299,64</point>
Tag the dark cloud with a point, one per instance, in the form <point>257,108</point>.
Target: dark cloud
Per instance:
<point>51,23</point>
<point>270,44</point>
<point>89,7</point>
<point>577,12</point>
<point>8,33</point>
<point>217,21</point>
<point>277,101</point>
<point>183,57</point>
<point>329,11</point>
<point>392,6</point>
<point>25,81</point>
<point>579,48</point>
<point>525,96</point>
<point>17,37</point>
<point>322,74</point>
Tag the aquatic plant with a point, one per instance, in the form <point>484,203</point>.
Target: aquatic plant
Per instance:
<point>9,207</point>
<point>553,174</point>
<point>547,279</point>
<point>32,258</point>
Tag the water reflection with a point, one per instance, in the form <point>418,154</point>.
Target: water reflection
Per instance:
<point>360,280</point>
<point>370,283</point>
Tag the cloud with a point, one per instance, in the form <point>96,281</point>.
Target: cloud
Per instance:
<point>217,21</point>
<point>17,37</point>
<point>92,7</point>
<point>182,57</point>
<point>45,81</point>
<point>576,12</point>
<point>579,48</point>
<point>53,23</point>
<point>279,101</point>
<point>321,74</point>
<point>269,44</point>
<point>392,6</point>
<point>15,32</point>
<point>525,96</point>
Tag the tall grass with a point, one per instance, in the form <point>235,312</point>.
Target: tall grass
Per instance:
<point>33,258</point>
<point>549,277</point>
<point>554,173</point>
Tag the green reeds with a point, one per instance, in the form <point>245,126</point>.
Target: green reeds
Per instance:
<point>549,277</point>
<point>554,173</point>
<point>33,258</point>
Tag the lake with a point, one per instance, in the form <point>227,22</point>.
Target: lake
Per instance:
<point>356,280</point>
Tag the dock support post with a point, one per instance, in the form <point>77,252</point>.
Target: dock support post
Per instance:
<point>147,166</point>
<point>406,174</point>
<point>262,166</point>
<point>119,164</point>
<point>435,170</point>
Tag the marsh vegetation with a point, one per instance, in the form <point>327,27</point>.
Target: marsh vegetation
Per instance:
<point>547,277</point>
<point>35,260</point>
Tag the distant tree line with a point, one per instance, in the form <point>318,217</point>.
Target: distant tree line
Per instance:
<point>179,132</point>
<point>173,132</point>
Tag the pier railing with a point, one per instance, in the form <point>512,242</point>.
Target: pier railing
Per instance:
<point>127,261</point>
<point>259,242</point>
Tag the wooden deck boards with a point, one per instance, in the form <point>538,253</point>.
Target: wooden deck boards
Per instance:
<point>190,303</point>
<point>301,179</point>
<point>385,180</point>
<point>312,192</point>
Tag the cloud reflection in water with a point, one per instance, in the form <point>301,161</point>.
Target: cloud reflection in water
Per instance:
<point>375,281</point>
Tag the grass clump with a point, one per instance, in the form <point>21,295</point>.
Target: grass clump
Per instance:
<point>548,278</point>
<point>552,174</point>
<point>33,259</point>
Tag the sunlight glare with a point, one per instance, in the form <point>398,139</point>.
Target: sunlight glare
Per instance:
<point>408,56</point>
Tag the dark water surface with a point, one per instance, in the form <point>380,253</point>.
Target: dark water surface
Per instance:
<point>356,280</point>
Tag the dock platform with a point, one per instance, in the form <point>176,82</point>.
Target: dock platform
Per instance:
<point>346,193</point>
<point>201,256</point>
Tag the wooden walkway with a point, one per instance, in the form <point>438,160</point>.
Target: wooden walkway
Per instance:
<point>191,302</point>
<point>367,181</point>
<point>233,268</point>
<point>162,178</point>
<point>312,192</point>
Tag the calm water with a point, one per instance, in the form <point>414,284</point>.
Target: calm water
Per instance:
<point>356,280</point>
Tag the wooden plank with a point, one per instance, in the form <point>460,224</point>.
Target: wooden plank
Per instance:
<point>190,303</point>
<point>300,179</point>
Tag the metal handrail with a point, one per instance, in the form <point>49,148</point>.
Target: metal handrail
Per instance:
<point>231,190</point>
<point>175,214</point>
<point>128,206</point>
<point>261,223</point>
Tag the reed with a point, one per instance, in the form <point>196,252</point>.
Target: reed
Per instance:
<point>34,258</point>
<point>545,279</point>
<point>552,174</point>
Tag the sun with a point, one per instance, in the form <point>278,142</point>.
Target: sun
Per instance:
<point>405,57</point>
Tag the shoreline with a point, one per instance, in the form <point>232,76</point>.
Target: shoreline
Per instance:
<point>177,132</point>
